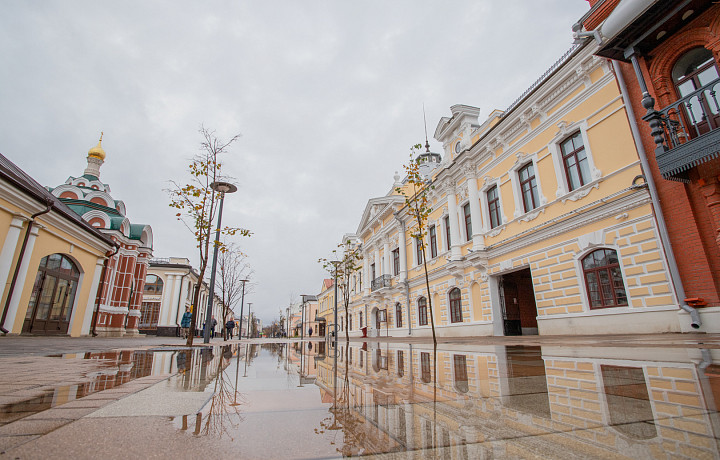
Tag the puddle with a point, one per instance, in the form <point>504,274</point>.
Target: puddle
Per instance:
<point>456,401</point>
<point>464,402</point>
<point>106,371</point>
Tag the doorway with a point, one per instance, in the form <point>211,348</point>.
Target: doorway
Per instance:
<point>517,303</point>
<point>53,296</point>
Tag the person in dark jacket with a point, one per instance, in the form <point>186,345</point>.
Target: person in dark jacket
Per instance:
<point>230,325</point>
<point>185,322</point>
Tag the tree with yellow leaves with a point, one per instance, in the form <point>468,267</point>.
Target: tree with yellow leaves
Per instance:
<point>197,206</point>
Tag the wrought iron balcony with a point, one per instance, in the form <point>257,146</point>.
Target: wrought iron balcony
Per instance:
<point>687,132</point>
<point>380,282</point>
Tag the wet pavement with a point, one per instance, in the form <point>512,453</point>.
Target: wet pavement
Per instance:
<point>587,397</point>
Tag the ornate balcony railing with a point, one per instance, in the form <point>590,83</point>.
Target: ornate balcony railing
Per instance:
<point>687,132</point>
<point>381,282</point>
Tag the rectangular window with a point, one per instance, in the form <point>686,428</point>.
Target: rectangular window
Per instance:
<point>396,261</point>
<point>468,222</point>
<point>528,187</point>
<point>425,367</point>
<point>447,232</point>
<point>398,315</point>
<point>493,199</point>
<point>350,323</point>
<point>418,251</point>
<point>575,162</point>
<point>361,320</point>
<point>433,242</point>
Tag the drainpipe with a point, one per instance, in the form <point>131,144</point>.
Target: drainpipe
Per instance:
<point>179,300</point>
<point>96,314</point>
<point>31,222</point>
<point>695,321</point>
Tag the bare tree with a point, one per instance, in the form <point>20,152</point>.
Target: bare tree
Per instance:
<point>197,205</point>
<point>345,261</point>
<point>234,268</point>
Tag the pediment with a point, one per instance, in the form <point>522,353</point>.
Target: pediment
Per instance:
<point>378,207</point>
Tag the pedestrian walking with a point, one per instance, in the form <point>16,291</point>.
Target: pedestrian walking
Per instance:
<point>185,323</point>
<point>213,325</point>
<point>230,325</point>
<point>310,332</point>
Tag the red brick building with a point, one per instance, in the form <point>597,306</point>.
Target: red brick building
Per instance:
<point>667,52</point>
<point>120,295</point>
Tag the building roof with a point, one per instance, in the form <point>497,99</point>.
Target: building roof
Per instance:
<point>10,172</point>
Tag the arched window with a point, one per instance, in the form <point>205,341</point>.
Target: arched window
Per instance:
<point>603,279</point>
<point>153,285</point>
<point>692,71</point>
<point>52,297</point>
<point>455,306</point>
<point>422,311</point>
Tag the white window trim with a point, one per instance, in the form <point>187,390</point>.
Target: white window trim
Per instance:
<point>485,208</point>
<point>522,161</point>
<point>585,298</point>
<point>463,231</point>
<point>554,148</point>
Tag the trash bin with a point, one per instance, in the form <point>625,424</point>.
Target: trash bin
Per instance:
<point>364,331</point>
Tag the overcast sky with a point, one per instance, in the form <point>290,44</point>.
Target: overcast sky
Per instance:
<point>327,96</point>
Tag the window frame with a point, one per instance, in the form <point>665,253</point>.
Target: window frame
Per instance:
<point>532,183</point>
<point>422,311</point>
<point>467,215</point>
<point>418,251</point>
<point>596,272</point>
<point>493,206</point>
<point>455,305</point>
<point>432,235</point>
<point>396,261</point>
<point>567,131</point>
<point>448,241</point>
<point>398,315</point>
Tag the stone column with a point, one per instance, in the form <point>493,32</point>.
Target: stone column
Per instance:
<point>20,283</point>
<point>475,213</point>
<point>378,262</point>
<point>455,243</point>
<point>8,251</point>
<point>366,273</point>
<point>87,318</point>
<point>403,252</point>
<point>387,261</point>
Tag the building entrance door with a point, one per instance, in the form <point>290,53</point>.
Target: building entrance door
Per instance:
<point>52,297</point>
<point>517,300</point>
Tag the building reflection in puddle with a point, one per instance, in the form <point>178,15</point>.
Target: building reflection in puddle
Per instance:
<point>499,401</point>
<point>191,370</point>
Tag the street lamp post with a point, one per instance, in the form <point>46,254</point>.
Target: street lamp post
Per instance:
<point>242,305</point>
<point>249,331</point>
<point>222,188</point>
<point>335,315</point>
<point>287,321</point>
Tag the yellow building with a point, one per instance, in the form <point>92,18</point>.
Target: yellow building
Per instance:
<point>51,260</point>
<point>541,224</point>
<point>326,306</point>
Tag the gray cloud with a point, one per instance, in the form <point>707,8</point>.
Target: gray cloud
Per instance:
<point>327,95</point>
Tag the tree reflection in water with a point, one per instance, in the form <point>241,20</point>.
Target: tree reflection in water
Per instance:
<point>221,416</point>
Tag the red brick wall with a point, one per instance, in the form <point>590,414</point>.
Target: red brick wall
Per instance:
<point>686,216</point>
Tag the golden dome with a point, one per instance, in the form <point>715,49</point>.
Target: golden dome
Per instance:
<point>97,151</point>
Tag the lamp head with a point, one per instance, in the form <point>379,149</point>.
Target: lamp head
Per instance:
<point>223,187</point>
